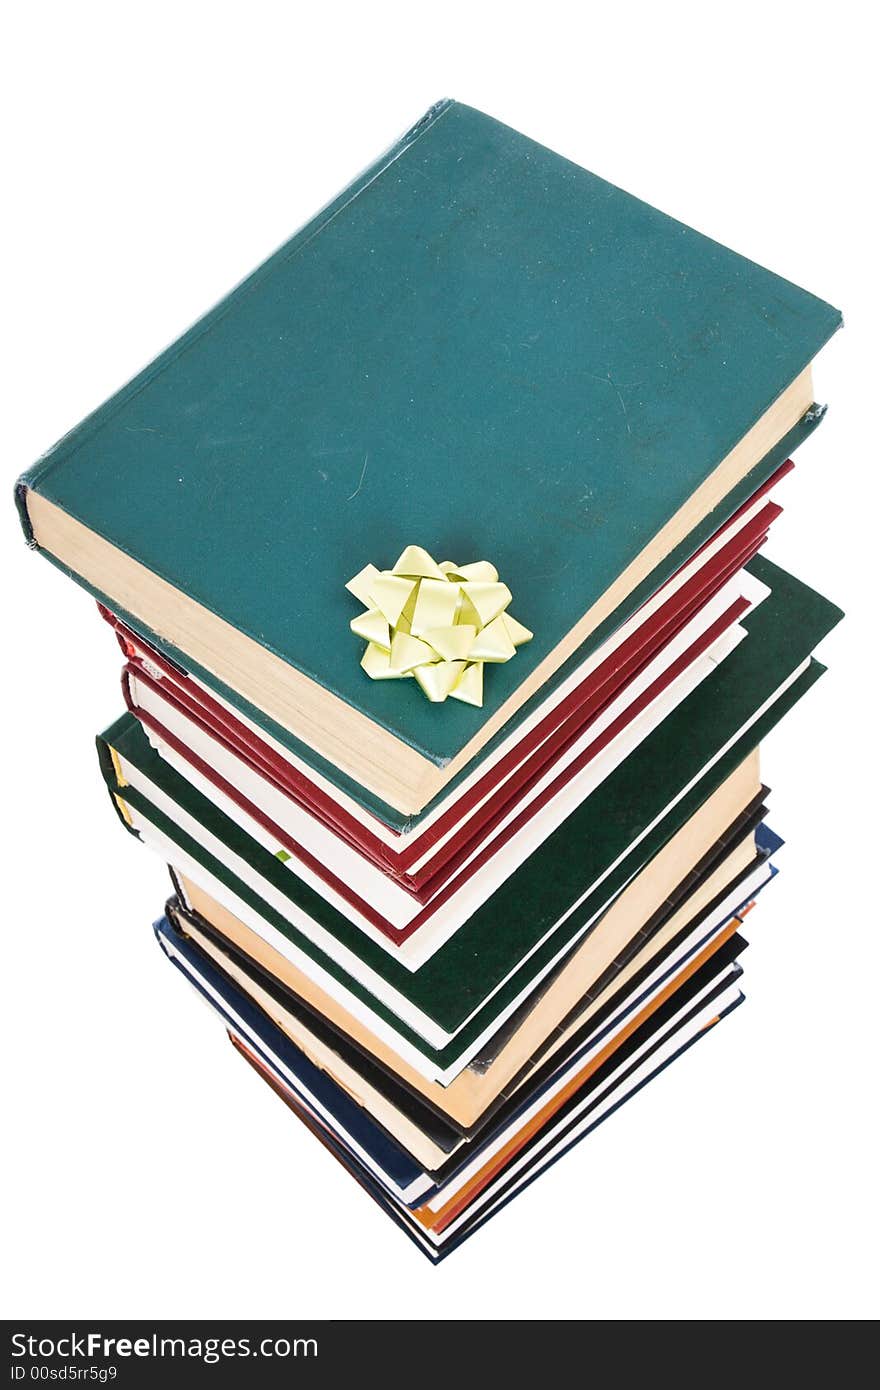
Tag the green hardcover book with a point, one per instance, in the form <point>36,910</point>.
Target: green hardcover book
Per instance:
<point>479,348</point>
<point>444,1011</point>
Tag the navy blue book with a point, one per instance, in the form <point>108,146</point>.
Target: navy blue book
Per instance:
<point>708,998</point>
<point>363,1138</point>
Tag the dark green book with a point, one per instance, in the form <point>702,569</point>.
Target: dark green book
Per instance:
<point>493,961</point>
<point>479,348</point>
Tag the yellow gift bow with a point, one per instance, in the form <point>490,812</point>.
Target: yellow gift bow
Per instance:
<point>439,623</point>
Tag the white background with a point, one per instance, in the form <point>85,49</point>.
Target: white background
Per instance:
<point>153,155</point>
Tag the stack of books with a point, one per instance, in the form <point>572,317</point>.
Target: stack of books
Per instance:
<point>432,552</point>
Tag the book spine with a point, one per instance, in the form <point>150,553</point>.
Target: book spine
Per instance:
<point>112,773</point>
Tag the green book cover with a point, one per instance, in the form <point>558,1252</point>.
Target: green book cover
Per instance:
<point>399,820</point>
<point>478,347</point>
<point>489,952</point>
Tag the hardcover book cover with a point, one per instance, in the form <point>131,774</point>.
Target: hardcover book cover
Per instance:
<point>479,346</point>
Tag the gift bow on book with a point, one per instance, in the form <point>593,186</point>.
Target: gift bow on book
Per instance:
<point>438,623</point>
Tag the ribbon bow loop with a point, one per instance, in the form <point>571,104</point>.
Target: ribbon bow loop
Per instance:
<point>439,624</point>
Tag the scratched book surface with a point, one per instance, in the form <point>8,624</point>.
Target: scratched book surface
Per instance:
<point>479,347</point>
